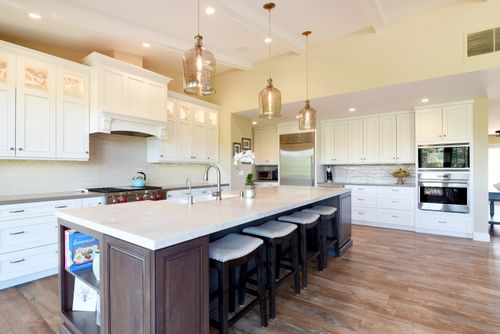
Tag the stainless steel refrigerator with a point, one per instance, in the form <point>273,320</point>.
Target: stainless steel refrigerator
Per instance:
<point>297,159</point>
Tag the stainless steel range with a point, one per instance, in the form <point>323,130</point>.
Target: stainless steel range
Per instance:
<point>116,195</point>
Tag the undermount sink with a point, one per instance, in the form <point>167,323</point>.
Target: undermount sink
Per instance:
<point>200,198</point>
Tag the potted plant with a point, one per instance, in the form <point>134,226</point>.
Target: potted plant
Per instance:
<point>249,187</point>
<point>400,174</point>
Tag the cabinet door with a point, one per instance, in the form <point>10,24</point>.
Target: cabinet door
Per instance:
<point>35,109</point>
<point>156,97</point>
<point>260,146</point>
<point>7,104</point>
<point>136,93</point>
<point>406,138</point>
<point>199,143</point>
<point>72,114</point>
<point>388,147</point>
<point>356,141</point>
<point>112,93</point>
<point>429,125</point>
<point>341,142</point>
<point>457,123</point>
<point>371,140</point>
<point>327,154</point>
<point>272,146</point>
<point>184,138</point>
<point>212,144</point>
<point>169,145</point>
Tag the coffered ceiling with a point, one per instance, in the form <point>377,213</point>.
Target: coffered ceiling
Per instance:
<point>235,32</point>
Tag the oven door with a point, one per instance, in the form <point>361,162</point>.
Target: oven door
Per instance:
<point>444,196</point>
<point>264,175</point>
<point>448,157</point>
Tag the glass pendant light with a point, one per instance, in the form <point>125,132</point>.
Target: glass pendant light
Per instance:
<point>307,115</point>
<point>199,67</point>
<point>269,97</point>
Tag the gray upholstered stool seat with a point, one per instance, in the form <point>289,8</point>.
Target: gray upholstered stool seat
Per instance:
<point>322,210</point>
<point>271,229</point>
<point>232,246</point>
<point>300,218</point>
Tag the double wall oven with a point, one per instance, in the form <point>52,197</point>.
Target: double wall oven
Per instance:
<point>444,178</point>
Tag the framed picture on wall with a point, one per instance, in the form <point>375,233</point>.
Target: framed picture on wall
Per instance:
<point>236,148</point>
<point>246,144</point>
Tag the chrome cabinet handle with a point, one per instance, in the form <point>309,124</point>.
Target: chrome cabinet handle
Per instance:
<point>395,216</point>
<point>60,206</point>
<point>17,261</point>
<point>395,201</point>
<point>360,199</point>
<point>442,222</point>
<point>16,211</point>
<point>17,233</point>
<point>395,190</point>
<point>361,213</point>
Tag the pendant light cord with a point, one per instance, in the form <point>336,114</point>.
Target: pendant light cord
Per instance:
<point>270,43</point>
<point>307,67</point>
<point>198,34</point>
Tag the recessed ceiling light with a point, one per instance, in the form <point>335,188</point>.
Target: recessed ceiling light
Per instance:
<point>146,45</point>
<point>424,100</point>
<point>210,10</point>
<point>352,109</point>
<point>268,40</point>
<point>297,116</point>
<point>254,123</point>
<point>35,16</point>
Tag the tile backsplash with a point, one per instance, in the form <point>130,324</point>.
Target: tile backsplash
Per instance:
<point>370,173</point>
<point>114,160</point>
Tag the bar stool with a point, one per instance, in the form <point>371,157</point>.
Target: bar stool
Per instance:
<point>305,221</point>
<point>226,254</point>
<point>327,214</point>
<point>274,235</point>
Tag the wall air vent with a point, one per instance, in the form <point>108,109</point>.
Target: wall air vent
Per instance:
<point>482,42</point>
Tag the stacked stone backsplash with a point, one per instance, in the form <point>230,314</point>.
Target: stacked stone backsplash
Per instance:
<point>370,173</point>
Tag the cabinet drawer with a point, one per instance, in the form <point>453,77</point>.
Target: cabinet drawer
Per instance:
<point>442,222</point>
<point>395,203</point>
<point>400,192</point>
<point>363,190</point>
<point>364,214</point>
<point>396,217</point>
<point>364,201</point>
<point>28,261</point>
<point>36,209</point>
<point>19,234</point>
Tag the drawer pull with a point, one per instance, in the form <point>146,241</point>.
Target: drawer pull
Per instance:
<point>17,261</point>
<point>17,233</point>
<point>395,217</point>
<point>395,189</point>
<point>360,199</point>
<point>16,211</point>
<point>361,188</point>
<point>361,213</point>
<point>442,222</point>
<point>61,206</point>
<point>395,201</point>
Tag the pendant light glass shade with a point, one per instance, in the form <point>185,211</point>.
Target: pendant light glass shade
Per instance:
<point>270,96</point>
<point>307,115</point>
<point>199,67</point>
<point>199,70</point>
<point>270,101</point>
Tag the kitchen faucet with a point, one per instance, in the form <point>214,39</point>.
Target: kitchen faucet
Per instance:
<point>217,193</point>
<point>190,193</point>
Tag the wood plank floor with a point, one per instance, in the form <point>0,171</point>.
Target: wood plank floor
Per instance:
<point>389,282</point>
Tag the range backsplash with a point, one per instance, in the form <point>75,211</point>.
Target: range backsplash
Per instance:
<point>370,173</point>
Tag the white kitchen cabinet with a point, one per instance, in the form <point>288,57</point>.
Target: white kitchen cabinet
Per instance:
<point>341,142</point>
<point>371,140</point>
<point>327,154</point>
<point>193,133</point>
<point>7,104</point>
<point>266,146</point>
<point>397,143</point>
<point>444,223</point>
<point>72,114</point>
<point>44,106</point>
<point>446,123</point>
<point>356,141</point>
<point>93,201</point>
<point>35,108</point>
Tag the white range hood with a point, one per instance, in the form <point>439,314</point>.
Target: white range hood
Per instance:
<point>129,125</point>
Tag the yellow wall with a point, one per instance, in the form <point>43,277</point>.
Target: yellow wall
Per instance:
<point>241,127</point>
<point>420,47</point>
<point>493,140</point>
<point>480,195</point>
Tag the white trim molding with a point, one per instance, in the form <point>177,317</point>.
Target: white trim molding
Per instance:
<point>479,236</point>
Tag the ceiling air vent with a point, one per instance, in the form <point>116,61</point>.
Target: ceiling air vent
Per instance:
<point>482,42</point>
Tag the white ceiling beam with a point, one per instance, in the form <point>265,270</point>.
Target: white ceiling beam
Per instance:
<point>105,25</point>
<point>375,14</point>
<point>258,22</point>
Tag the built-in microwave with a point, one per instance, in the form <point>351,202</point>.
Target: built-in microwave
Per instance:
<point>267,173</point>
<point>453,157</point>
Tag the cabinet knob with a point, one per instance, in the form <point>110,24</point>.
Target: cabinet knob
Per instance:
<point>86,152</point>
<point>161,155</point>
<point>12,149</point>
<point>20,148</point>
<point>444,135</point>
<point>439,136</point>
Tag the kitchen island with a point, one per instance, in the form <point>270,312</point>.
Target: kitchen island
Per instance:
<point>154,275</point>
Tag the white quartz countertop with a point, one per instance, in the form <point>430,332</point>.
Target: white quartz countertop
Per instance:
<point>158,224</point>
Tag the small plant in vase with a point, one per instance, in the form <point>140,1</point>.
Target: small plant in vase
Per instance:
<point>400,174</point>
<point>249,187</point>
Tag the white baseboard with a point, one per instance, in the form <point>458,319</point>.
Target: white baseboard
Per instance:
<point>443,232</point>
<point>27,278</point>
<point>485,237</point>
<point>383,225</point>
